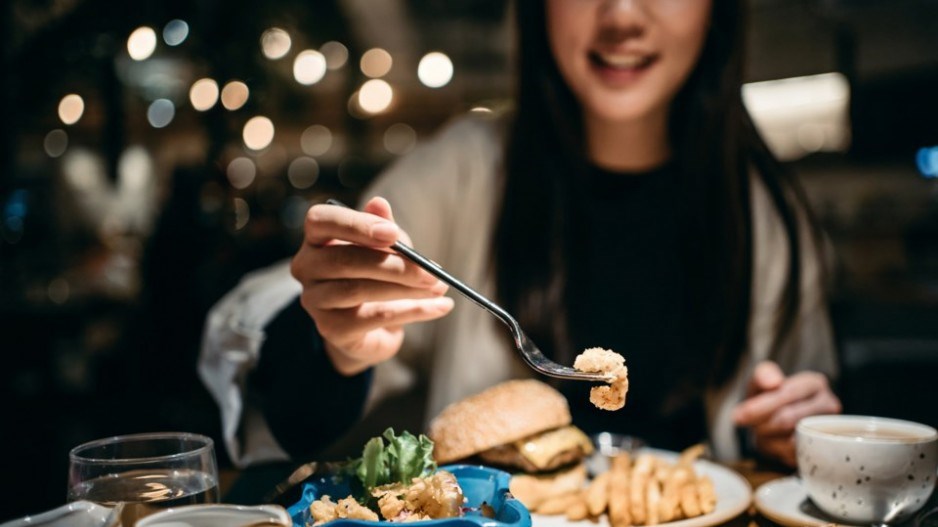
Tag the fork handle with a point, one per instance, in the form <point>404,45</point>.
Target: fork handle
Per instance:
<point>434,268</point>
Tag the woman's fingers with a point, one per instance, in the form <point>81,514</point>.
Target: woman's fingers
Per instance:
<point>759,408</point>
<point>786,418</point>
<point>345,328</point>
<point>348,293</point>
<point>339,262</point>
<point>325,223</point>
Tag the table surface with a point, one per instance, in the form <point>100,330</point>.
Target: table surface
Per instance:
<point>250,485</point>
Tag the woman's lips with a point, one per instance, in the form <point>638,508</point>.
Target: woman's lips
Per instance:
<point>618,69</point>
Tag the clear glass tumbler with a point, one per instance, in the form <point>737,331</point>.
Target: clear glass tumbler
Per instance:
<point>144,473</point>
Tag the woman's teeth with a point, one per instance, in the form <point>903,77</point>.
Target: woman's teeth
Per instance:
<point>623,61</point>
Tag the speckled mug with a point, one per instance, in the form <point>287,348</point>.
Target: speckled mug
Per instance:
<point>862,469</point>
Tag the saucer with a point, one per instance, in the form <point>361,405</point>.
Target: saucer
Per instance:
<point>785,502</point>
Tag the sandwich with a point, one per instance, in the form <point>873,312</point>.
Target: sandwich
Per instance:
<point>523,427</point>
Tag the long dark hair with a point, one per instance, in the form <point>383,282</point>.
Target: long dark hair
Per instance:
<point>715,148</point>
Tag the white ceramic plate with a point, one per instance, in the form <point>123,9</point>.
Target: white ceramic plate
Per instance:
<point>785,502</point>
<point>75,514</point>
<point>733,497</point>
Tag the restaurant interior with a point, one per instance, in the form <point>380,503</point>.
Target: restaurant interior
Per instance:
<point>153,152</point>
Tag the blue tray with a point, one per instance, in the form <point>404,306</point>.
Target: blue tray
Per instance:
<point>479,484</point>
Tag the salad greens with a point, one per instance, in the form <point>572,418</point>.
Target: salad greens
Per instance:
<point>403,458</point>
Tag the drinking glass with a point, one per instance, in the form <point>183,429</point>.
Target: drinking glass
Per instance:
<point>143,473</point>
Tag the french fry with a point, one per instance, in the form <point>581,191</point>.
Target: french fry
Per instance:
<point>638,487</point>
<point>706,495</point>
<point>619,474</point>
<point>597,494</point>
<point>653,495</point>
<point>558,504</point>
<point>689,500</point>
<point>578,510</point>
<point>669,508</point>
<point>691,454</point>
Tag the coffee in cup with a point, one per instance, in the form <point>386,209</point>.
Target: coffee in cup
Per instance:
<point>862,469</point>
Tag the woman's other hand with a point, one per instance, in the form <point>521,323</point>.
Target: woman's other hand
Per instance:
<point>357,290</point>
<point>776,403</point>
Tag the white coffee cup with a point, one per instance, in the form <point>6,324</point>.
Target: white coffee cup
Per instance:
<point>219,515</point>
<point>863,469</point>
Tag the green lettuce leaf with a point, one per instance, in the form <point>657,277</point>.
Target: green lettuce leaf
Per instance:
<point>403,458</point>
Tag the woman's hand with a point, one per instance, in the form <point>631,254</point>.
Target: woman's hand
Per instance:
<point>776,403</point>
<point>359,293</point>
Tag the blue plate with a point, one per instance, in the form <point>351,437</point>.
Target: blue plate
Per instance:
<point>479,484</point>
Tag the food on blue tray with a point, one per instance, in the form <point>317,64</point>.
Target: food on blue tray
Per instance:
<point>399,481</point>
<point>599,360</point>
<point>522,426</point>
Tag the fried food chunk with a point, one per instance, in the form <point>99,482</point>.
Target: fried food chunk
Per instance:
<point>599,360</point>
<point>325,510</point>
<point>431,497</point>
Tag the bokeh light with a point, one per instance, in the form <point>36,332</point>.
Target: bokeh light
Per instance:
<point>71,108</point>
<point>399,139</point>
<point>59,291</point>
<point>481,109</point>
<point>303,172</point>
<point>55,143</point>
<point>435,70</point>
<point>161,113</point>
<point>258,133</point>
<point>316,140</point>
<point>376,62</point>
<point>241,172</point>
<point>234,95</point>
<point>275,43</point>
<point>141,43</point>
<point>175,32</point>
<point>375,96</point>
<point>336,54</point>
<point>242,213</point>
<point>927,161</point>
<point>309,67</point>
<point>204,94</point>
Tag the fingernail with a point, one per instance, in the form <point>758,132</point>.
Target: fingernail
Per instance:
<point>439,287</point>
<point>384,231</point>
<point>444,304</point>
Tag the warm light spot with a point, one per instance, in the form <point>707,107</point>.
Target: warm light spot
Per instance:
<point>399,138</point>
<point>435,70</point>
<point>175,32</point>
<point>141,43</point>
<point>481,109</point>
<point>375,96</point>
<point>234,95</point>
<point>203,94</point>
<point>71,108</point>
<point>316,140</point>
<point>376,62</point>
<point>303,172</point>
<point>55,143</point>
<point>258,133</point>
<point>161,113</point>
<point>241,172</point>
<point>336,54</point>
<point>275,43</point>
<point>309,67</point>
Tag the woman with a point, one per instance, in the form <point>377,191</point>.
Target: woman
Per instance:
<point>627,203</point>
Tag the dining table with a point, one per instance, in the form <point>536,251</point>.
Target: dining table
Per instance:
<point>250,486</point>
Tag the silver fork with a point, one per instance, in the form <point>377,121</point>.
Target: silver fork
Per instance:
<point>525,346</point>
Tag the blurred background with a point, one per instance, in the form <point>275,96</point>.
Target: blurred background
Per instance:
<point>152,152</point>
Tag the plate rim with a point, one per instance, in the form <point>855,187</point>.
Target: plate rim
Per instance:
<point>786,518</point>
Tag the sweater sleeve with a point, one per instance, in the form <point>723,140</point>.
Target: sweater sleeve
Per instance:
<point>306,402</point>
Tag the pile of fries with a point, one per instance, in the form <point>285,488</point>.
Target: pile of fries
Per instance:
<point>648,491</point>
